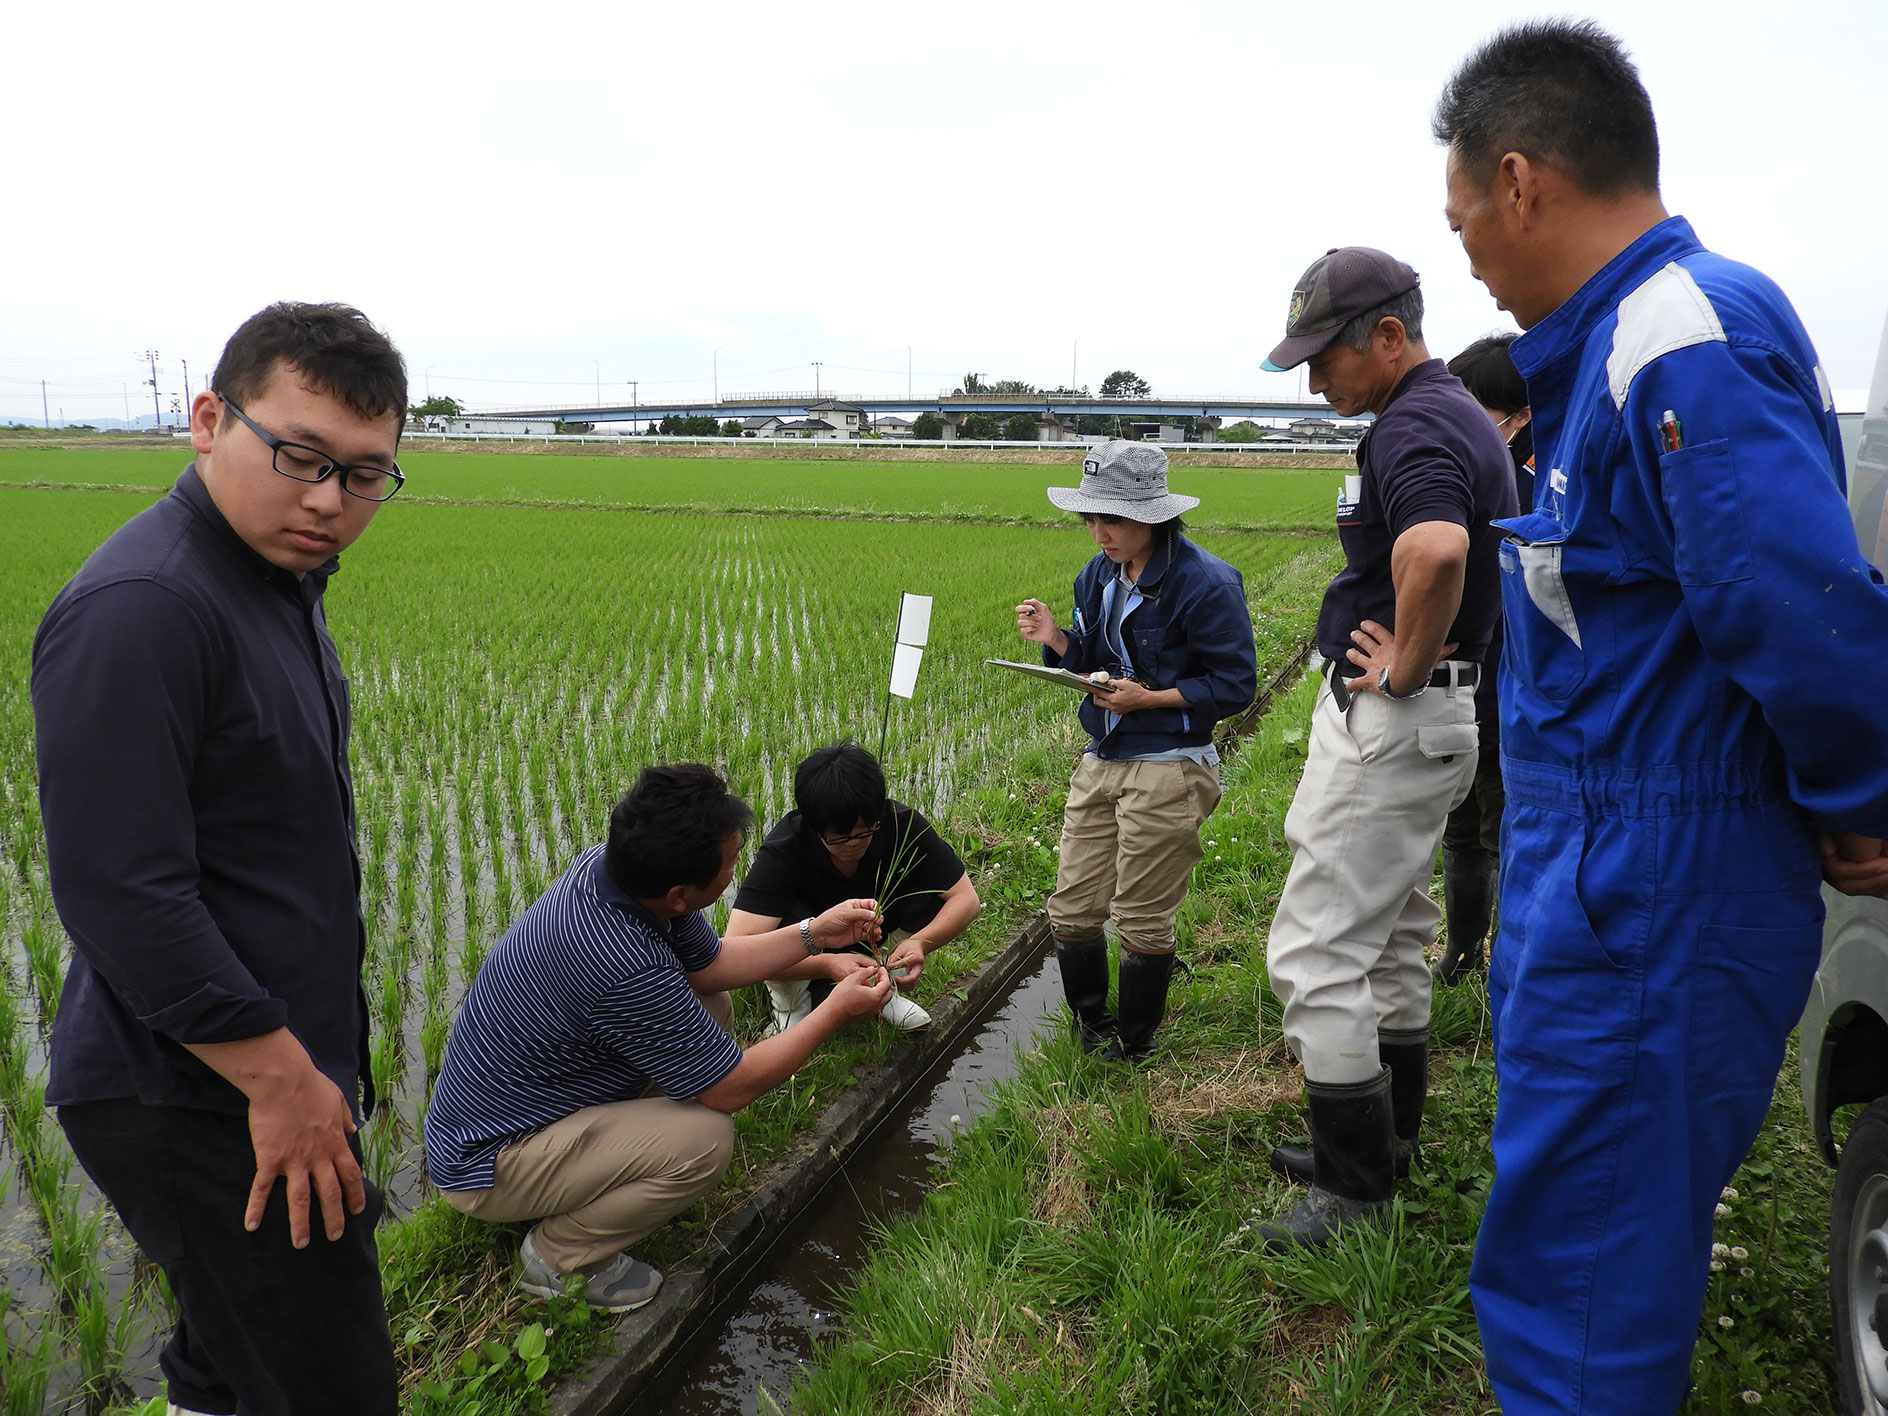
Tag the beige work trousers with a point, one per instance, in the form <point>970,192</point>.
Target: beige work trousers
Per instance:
<point>1346,949</point>
<point>603,1177</point>
<point>1130,840</point>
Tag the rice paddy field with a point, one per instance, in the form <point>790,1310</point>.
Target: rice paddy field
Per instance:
<point>521,636</point>
<point>1242,497</point>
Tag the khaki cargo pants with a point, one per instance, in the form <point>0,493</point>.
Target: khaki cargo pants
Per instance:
<point>1130,840</point>
<point>603,1177</point>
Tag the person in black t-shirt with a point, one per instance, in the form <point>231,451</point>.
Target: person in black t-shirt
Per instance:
<point>847,838</point>
<point>1403,631</point>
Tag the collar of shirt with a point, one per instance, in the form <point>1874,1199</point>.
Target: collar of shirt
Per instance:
<point>1565,331</point>
<point>193,494</point>
<point>610,893</point>
<point>1426,372</point>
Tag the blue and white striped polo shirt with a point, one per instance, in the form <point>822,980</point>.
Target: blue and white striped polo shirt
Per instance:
<point>585,1001</point>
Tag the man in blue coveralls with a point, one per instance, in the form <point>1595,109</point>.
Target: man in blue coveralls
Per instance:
<point>1698,659</point>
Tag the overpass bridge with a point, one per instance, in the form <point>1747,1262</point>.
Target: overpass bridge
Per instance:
<point>951,407</point>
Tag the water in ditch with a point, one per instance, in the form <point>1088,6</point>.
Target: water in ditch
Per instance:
<point>766,1333</point>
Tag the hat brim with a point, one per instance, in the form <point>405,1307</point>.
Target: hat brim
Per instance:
<point>1153,510</point>
<point>1292,352</point>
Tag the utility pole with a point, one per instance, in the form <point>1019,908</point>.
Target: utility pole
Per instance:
<point>126,391</point>
<point>907,373</point>
<point>634,403</point>
<point>717,366</point>
<point>157,409</point>
<point>597,364</point>
<point>44,415</point>
<point>186,364</point>
<point>816,364</point>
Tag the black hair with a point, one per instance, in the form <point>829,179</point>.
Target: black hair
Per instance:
<point>1562,93</point>
<point>1406,308</point>
<point>669,828</point>
<point>333,348</point>
<point>837,787</point>
<point>1488,372</point>
<point>1172,526</point>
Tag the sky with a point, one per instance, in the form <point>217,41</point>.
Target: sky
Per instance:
<point>543,203</point>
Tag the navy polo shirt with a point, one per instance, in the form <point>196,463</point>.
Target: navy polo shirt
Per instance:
<point>191,725</point>
<point>584,1002</point>
<point>1431,455</point>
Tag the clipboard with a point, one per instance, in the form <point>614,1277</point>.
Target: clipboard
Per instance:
<point>1060,677</point>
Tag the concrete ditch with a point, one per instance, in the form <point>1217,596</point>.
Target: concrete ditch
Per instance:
<point>646,1339</point>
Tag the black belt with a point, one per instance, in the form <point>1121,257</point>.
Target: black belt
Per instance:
<point>1463,675</point>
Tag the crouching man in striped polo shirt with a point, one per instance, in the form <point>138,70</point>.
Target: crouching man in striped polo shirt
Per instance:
<point>591,1076</point>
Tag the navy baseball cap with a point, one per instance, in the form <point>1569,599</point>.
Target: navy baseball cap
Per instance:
<point>1343,283</point>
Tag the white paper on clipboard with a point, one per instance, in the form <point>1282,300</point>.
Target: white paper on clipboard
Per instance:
<point>1061,677</point>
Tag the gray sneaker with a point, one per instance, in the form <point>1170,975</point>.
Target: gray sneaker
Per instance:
<point>621,1286</point>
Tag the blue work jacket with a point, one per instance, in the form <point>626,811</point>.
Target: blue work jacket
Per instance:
<point>1689,618</point>
<point>1190,631</point>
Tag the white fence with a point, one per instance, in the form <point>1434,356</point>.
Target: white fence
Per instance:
<point>644,440</point>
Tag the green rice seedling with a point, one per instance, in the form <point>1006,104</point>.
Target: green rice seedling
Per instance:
<point>45,946</point>
<point>103,1335</point>
<point>29,1351</point>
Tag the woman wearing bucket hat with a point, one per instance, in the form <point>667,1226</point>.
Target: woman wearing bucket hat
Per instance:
<point>1167,623</point>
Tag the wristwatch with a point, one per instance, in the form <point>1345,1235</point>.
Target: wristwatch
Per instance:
<point>806,936</point>
<point>1383,685</point>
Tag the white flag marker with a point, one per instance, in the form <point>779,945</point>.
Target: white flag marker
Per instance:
<point>905,661</point>
<point>914,624</point>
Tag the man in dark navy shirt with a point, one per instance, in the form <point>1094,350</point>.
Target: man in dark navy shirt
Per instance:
<point>191,725</point>
<point>1393,742</point>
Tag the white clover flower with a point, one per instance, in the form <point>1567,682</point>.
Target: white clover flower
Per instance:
<point>1730,1193</point>
<point>1212,843</point>
<point>1738,1252</point>
<point>1235,840</point>
<point>1752,1398</point>
<point>1727,1321</point>
<point>1720,1251</point>
<point>1748,1272</point>
<point>1722,1211</point>
<point>1717,1266</point>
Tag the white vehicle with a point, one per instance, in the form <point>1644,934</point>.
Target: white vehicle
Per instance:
<point>1843,1040</point>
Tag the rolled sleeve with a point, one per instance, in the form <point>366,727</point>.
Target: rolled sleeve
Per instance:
<point>121,682</point>
<point>654,1022</point>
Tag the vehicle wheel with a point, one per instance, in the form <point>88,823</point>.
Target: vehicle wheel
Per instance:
<point>1858,1265</point>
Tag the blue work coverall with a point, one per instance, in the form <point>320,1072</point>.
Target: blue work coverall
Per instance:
<point>1697,679</point>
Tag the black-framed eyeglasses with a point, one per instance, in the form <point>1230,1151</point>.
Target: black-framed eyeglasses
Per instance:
<point>307,464</point>
<point>835,842</point>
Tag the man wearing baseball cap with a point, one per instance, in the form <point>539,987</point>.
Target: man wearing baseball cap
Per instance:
<point>1393,741</point>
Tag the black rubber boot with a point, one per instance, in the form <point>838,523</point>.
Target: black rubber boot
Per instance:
<point>1084,965</point>
<point>1405,1051</point>
<point>1468,893</point>
<point>1353,1144</point>
<point>1144,980</point>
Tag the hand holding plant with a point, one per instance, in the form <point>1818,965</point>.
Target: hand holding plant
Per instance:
<point>862,993</point>
<point>842,965</point>
<point>909,956</point>
<point>847,923</point>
